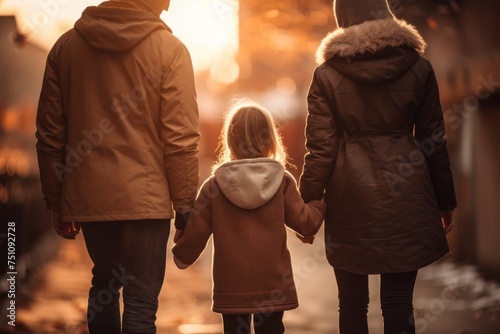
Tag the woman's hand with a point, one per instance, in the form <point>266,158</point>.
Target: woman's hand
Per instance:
<point>67,230</point>
<point>306,240</point>
<point>178,235</point>
<point>448,220</point>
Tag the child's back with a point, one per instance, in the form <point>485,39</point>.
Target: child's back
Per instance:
<point>246,205</point>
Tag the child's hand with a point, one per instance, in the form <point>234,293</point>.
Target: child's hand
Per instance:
<point>178,235</point>
<point>306,240</point>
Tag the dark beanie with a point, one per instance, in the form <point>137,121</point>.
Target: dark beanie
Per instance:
<point>351,12</point>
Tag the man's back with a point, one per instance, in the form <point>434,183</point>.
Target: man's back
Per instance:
<point>117,131</point>
<point>119,100</point>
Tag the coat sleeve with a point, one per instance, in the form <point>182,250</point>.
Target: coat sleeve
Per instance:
<point>430,133</point>
<point>179,130</point>
<point>322,135</point>
<point>51,135</point>
<point>197,232</point>
<point>303,218</point>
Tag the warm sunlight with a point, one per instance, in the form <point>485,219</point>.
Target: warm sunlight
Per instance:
<point>118,215</point>
<point>209,28</point>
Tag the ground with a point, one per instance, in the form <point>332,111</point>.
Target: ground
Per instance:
<point>448,298</point>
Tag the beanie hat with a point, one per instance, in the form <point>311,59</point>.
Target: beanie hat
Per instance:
<point>352,12</point>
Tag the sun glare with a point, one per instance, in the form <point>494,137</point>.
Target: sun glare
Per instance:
<point>209,28</point>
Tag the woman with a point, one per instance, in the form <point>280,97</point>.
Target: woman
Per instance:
<point>377,152</point>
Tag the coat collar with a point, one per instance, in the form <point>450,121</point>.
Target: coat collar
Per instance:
<point>369,37</point>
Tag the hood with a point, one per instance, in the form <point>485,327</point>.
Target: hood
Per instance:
<point>250,183</point>
<point>117,26</point>
<point>377,68</point>
<point>373,51</point>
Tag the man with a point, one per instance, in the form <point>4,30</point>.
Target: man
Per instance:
<point>117,131</point>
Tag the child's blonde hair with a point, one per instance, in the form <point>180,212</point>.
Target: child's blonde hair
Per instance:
<point>250,132</point>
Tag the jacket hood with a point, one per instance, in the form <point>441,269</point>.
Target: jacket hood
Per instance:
<point>250,183</point>
<point>117,26</point>
<point>377,68</point>
<point>373,51</point>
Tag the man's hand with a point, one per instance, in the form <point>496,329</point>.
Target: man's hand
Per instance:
<point>448,220</point>
<point>306,240</point>
<point>178,235</point>
<point>67,230</point>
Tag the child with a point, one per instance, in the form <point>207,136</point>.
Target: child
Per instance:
<point>246,205</point>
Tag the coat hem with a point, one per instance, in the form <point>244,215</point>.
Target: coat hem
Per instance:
<point>401,269</point>
<point>117,217</point>
<point>255,309</point>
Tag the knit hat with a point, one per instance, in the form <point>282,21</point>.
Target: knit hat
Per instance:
<point>351,12</point>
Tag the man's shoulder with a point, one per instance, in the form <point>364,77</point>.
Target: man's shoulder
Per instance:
<point>63,40</point>
<point>169,39</point>
<point>68,35</point>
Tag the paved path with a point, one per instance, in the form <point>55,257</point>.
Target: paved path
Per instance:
<point>448,299</point>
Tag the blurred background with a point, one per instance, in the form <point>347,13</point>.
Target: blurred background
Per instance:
<point>263,50</point>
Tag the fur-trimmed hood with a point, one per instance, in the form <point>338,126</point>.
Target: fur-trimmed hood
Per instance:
<point>369,37</point>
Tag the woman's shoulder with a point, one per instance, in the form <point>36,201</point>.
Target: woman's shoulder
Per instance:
<point>423,65</point>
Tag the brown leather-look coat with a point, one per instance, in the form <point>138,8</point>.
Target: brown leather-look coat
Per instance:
<point>377,149</point>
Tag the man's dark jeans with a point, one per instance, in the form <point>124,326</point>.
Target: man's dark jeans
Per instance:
<point>129,255</point>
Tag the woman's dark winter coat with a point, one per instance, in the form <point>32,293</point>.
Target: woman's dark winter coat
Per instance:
<point>377,149</point>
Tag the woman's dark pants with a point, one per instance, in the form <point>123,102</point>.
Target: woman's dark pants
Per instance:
<point>396,298</point>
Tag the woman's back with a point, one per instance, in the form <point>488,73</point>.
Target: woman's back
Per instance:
<point>375,128</point>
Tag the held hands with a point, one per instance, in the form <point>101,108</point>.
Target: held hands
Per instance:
<point>309,239</point>
<point>67,230</point>
<point>181,221</point>
<point>305,240</point>
<point>178,235</point>
<point>448,220</point>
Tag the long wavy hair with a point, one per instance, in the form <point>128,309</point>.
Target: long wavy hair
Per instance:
<point>249,131</point>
